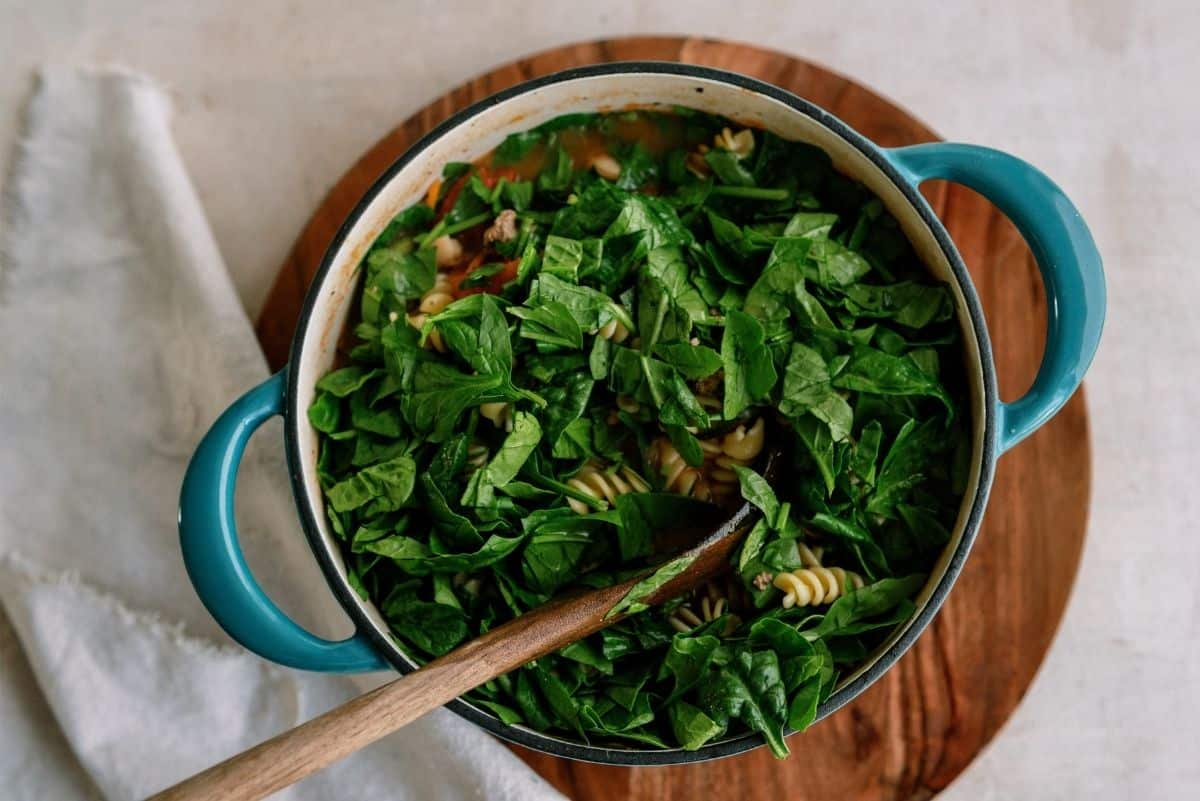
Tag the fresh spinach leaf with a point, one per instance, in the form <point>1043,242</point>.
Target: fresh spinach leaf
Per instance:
<point>550,323</point>
<point>687,661</point>
<point>416,559</point>
<point>908,303</point>
<point>654,218</point>
<point>441,394</point>
<point>807,387</point>
<point>905,465</point>
<point>686,444</point>
<point>341,383</point>
<point>749,372</point>
<point>726,166</point>
<point>750,689</point>
<point>691,727</point>
<point>433,628</point>
<point>635,600</point>
<point>693,362</point>
<point>874,371</point>
<point>325,414</point>
<point>644,515</point>
<point>847,614</point>
<point>387,485</point>
<point>569,259</point>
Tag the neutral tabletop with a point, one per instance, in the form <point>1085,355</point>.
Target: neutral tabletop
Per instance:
<point>274,99</point>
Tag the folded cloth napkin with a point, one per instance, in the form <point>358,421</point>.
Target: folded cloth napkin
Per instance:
<point>121,339</point>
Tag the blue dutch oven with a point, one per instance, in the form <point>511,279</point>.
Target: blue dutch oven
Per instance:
<point>1065,252</point>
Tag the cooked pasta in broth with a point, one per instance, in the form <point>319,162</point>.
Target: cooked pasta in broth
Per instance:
<point>590,337</point>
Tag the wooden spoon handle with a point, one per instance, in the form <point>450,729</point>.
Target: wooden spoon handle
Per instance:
<point>294,754</point>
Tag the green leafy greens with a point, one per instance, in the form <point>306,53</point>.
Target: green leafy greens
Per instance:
<point>533,415</point>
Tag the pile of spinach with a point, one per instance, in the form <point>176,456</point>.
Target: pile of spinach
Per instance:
<point>771,272</point>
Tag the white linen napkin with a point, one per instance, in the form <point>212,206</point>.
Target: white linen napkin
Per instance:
<point>121,340</point>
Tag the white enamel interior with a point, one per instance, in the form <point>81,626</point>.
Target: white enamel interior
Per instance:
<point>485,130</point>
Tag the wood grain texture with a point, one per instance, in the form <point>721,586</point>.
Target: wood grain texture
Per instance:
<point>917,728</point>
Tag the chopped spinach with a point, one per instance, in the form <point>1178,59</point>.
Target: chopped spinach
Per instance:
<point>605,347</point>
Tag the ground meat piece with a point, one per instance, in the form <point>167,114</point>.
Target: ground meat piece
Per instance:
<point>503,228</point>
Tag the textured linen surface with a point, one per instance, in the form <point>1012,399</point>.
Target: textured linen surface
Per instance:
<point>121,339</point>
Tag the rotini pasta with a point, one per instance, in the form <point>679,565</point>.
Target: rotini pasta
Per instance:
<point>715,480</point>
<point>812,586</point>
<point>468,583</point>
<point>722,470</point>
<point>606,167</point>
<point>613,330</point>
<point>604,484</point>
<point>696,163</point>
<point>628,404</point>
<point>499,413</point>
<point>438,297</point>
<point>477,456</point>
<point>677,475</point>
<point>740,144</point>
<point>433,302</point>
<point>447,251</point>
<point>809,557</point>
<point>709,602</point>
<point>745,444</point>
<point>739,447</point>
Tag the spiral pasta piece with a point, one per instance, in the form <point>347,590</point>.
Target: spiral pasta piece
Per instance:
<point>709,602</point>
<point>695,162</point>
<point>614,330</point>
<point>745,444</point>
<point>603,485</point>
<point>606,167</point>
<point>677,475</point>
<point>471,585</point>
<point>741,144</point>
<point>809,557</point>
<point>477,456</point>
<point>722,470</point>
<point>812,586</point>
<point>738,448</point>
<point>439,295</point>
<point>499,413</point>
<point>447,251</point>
<point>433,302</point>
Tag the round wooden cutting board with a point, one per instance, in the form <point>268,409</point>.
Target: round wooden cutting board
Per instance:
<point>917,728</point>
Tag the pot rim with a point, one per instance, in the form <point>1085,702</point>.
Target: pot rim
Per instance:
<point>309,510</point>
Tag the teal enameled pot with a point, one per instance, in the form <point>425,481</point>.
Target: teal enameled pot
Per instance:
<point>1060,241</point>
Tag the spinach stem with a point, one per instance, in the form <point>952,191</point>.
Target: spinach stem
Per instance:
<point>442,229</point>
<point>470,222</point>
<point>751,192</point>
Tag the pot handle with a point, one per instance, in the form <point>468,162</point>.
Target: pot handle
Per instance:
<point>1066,255</point>
<point>214,560</point>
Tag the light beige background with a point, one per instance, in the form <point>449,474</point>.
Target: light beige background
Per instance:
<point>274,99</point>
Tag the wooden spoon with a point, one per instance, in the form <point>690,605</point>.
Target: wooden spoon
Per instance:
<point>309,747</point>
